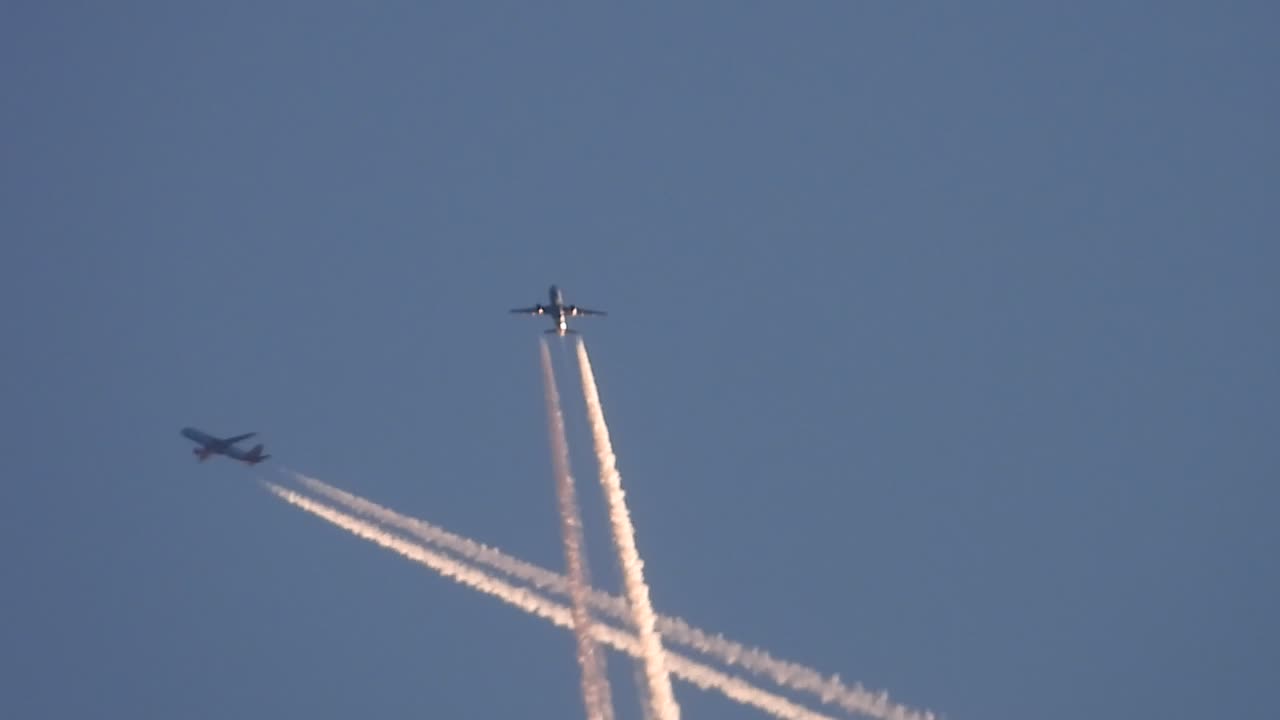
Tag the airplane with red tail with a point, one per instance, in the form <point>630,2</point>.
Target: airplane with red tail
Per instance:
<point>210,445</point>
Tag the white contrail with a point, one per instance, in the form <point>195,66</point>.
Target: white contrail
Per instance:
<point>696,673</point>
<point>597,697</point>
<point>829,689</point>
<point>637,670</point>
<point>624,537</point>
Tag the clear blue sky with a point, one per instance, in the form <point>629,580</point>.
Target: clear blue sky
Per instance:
<point>941,352</point>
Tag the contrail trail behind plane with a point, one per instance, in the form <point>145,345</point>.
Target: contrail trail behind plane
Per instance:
<point>624,536</point>
<point>829,689</point>
<point>529,601</point>
<point>597,696</point>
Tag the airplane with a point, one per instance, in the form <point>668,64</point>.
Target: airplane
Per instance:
<point>210,445</point>
<point>558,311</point>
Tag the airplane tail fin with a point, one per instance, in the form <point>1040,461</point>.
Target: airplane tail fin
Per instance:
<point>255,454</point>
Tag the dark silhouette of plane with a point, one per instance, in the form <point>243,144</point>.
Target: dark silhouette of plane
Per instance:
<point>210,445</point>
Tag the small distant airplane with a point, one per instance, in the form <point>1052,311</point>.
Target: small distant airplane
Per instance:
<point>558,311</point>
<point>210,445</point>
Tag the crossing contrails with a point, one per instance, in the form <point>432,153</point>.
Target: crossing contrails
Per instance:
<point>531,602</point>
<point>828,689</point>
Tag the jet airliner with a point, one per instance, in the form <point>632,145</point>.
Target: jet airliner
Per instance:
<point>558,311</point>
<point>210,445</point>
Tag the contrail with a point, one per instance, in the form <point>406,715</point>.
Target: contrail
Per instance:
<point>624,537</point>
<point>646,708</point>
<point>596,693</point>
<point>696,673</point>
<point>830,690</point>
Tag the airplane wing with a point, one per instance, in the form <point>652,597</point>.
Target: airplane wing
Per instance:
<point>535,310</point>
<point>238,438</point>
<point>576,311</point>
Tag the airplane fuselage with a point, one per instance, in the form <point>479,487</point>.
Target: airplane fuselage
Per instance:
<point>557,307</point>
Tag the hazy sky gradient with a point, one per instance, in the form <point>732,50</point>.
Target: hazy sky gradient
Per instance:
<point>941,350</point>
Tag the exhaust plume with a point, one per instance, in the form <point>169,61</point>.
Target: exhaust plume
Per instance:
<point>695,673</point>
<point>637,673</point>
<point>597,696</point>
<point>830,690</point>
<point>624,536</point>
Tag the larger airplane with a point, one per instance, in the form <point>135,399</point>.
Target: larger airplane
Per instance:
<point>210,445</point>
<point>558,311</point>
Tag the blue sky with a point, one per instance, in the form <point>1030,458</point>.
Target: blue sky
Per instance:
<point>941,347</point>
